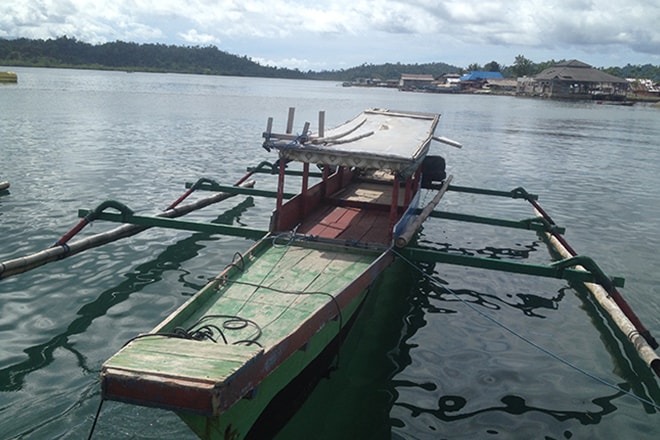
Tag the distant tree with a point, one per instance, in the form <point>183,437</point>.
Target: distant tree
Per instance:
<point>523,67</point>
<point>474,66</point>
<point>493,66</point>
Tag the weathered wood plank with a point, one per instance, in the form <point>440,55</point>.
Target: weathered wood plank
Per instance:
<point>279,291</point>
<point>204,361</point>
<point>267,291</point>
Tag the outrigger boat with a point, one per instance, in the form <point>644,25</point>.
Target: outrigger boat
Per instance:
<point>244,351</point>
<point>231,356</point>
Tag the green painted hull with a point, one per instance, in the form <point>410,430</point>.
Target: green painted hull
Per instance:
<point>299,298</point>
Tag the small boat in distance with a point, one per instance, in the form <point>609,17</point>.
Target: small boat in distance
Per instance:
<point>8,77</point>
<point>4,187</point>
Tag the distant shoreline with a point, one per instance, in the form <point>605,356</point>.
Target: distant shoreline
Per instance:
<point>630,97</point>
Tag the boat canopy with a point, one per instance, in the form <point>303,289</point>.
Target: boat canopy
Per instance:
<point>374,139</point>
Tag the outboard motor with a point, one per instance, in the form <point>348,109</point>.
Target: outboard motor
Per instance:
<point>433,170</point>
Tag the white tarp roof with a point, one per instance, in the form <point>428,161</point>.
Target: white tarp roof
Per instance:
<point>374,139</point>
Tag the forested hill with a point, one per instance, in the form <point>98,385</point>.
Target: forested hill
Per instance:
<point>69,52</point>
<point>385,71</point>
<point>118,55</point>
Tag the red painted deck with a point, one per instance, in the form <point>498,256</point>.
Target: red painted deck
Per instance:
<point>349,224</point>
<point>366,224</point>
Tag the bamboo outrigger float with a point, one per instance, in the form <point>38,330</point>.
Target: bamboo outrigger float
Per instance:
<point>232,360</point>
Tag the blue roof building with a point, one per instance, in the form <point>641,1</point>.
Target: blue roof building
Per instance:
<point>477,75</point>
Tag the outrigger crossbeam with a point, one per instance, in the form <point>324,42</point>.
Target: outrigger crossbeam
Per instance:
<point>560,269</point>
<point>537,224</point>
<point>517,193</point>
<point>573,267</point>
<point>210,185</point>
<point>126,215</point>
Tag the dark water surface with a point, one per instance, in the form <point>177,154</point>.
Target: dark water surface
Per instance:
<point>427,359</point>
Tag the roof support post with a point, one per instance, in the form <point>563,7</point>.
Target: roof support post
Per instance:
<point>394,207</point>
<point>303,190</point>
<point>280,187</point>
<point>409,191</point>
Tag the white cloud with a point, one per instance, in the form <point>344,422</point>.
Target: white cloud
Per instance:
<point>305,33</point>
<point>194,37</point>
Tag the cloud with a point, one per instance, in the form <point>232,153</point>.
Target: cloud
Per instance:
<point>194,37</point>
<point>314,32</point>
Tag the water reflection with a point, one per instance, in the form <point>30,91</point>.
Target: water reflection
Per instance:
<point>422,377</point>
<point>40,356</point>
<point>528,303</point>
<point>433,287</point>
<point>523,252</point>
<point>448,408</point>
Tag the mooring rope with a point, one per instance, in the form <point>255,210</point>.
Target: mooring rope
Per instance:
<point>525,339</point>
<point>96,419</point>
<point>199,331</point>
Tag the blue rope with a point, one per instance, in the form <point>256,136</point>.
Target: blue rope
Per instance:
<point>528,341</point>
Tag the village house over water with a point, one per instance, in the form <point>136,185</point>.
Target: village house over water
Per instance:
<point>566,80</point>
<point>574,80</point>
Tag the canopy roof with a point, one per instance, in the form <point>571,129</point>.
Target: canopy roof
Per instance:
<point>478,74</point>
<point>374,139</point>
<point>577,71</point>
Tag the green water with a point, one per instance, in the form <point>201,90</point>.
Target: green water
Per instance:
<point>423,361</point>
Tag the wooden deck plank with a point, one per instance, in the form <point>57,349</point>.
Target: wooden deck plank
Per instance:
<point>333,222</point>
<point>379,193</point>
<point>266,292</point>
<point>351,226</point>
<point>207,377</point>
<point>353,223</point>
<point>203,361</point>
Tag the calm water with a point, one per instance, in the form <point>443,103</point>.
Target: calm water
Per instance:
<point>423,362</point>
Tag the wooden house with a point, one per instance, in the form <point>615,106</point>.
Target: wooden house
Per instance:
<point>415,81</point>
<point>574,80</point>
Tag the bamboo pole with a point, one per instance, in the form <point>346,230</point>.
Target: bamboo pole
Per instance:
<point>405,237</point>
<point>447,141</point>
<point>24,264</point>
<point>608,304</point>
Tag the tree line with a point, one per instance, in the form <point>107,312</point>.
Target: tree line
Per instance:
<point>119,55</point>
<point>523,66</point>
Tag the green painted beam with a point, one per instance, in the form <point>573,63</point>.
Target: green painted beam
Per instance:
<point>208,186</point>
<point>518,193</point>
<point>534,224</point>
<point>287,172</point>
<point>164,222</point>
<point>555,270</point>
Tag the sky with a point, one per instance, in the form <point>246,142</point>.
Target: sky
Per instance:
<point>331,35</point>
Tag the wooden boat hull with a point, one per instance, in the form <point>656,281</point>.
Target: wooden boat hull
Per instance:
<point>276,312</point>
<point>249,418</point>
<point>162,372</point>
